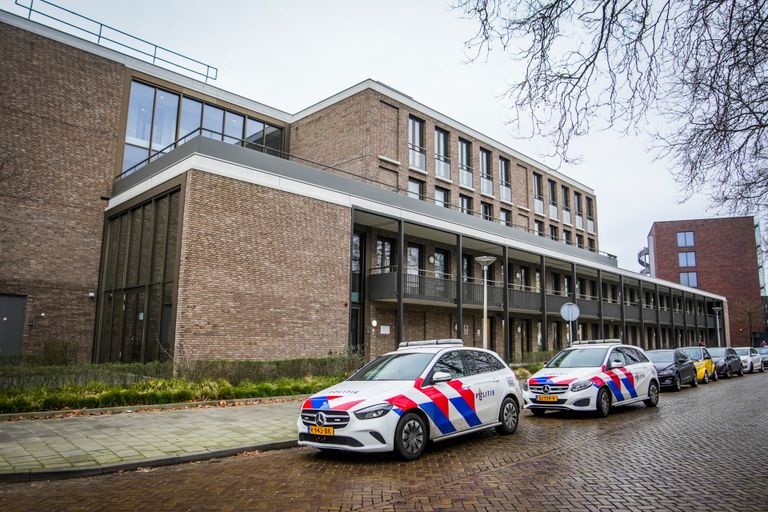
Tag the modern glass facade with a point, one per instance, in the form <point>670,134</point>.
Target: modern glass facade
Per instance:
<point>158,118</point>
<point>138,281</point>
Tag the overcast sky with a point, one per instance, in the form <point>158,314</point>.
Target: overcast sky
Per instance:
<point>291,54</point>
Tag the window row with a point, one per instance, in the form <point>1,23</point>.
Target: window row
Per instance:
<point>157,119</point>
<point>553,205</point>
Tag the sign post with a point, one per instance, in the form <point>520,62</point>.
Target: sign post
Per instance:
<point>570,313</point>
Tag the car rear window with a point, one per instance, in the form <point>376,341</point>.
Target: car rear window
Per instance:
<point>661,356</point>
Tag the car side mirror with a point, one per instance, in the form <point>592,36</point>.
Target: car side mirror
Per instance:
<point>441,377</point>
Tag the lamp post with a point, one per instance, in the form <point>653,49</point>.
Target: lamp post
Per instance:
<point>717,310</point>
<point>485,261</point>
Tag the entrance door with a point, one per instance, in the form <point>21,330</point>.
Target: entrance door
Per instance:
<point>413,270</point>
<point>133,334</point>
<point>11,324</point>
<point>355,330</point>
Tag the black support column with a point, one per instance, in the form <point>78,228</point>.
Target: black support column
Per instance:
<point>622,295</point>
<point>400,314</point>
<point>600,302</point>
<point>641,305</point>
<point>684,340</point>
<point>459,287</point>
<point>659,343</point>
<point>505,298</point>
<point>544,329</point>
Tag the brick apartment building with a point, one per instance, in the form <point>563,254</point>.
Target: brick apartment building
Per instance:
<point>719,255</point>
<point>154,216</point>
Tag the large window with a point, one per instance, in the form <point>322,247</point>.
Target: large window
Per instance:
<point>486,177</point>
<point>158,118</point>
<point>442,197</point>
<point>486,211</point>
<point>137,282</point>
<point>416,153</point>
<point>385,255</point>
<point>415,188</point>
<point>505,181</point>
<point>465,204</point>
<point>538,198</point>
<point>465,163</point>
<point>686,259</point>
<point>442,160</point>
<point>689,279</point>
<point>685,239</point>
<point>505,217</point>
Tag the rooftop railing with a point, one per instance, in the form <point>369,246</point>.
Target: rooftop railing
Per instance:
<point>57,16</point>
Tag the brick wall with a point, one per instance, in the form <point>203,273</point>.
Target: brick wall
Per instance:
<point>726,264</point>
<point>60,110</point>
<point>264,274</point>
<point>353,133</point>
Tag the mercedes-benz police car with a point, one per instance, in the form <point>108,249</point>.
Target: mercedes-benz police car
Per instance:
<point>593,376</point>
<point>433,389</point>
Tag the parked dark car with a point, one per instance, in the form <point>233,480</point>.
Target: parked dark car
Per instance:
<point>727,361</point>
<point>763,351</point>
<point>674,367</point>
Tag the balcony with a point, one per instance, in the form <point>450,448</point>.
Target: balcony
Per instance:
<point>589,307</point>
<point>566,215</point>
<point>417,157</point>
<point>524,299</point>
<point>442,167</point>
<point>465,175</point>
<point>486,184</point>
<point>632,311</point>
<point>427,287</point>
<point>553,210</point>
<point>506,192</point>
<point>579,221</point>
<point>590,224</point>
<point>611,310</point>
<point>677,317</point>
<point>538,204</point>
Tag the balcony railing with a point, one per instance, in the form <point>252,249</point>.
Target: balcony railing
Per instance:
<point>566,215</point>
<point>506,192</point>
<point>553,210</point>
<point>465,175</point>
<point>579,221</point>
<point>417,157</point>
<point>590,224</point>
<point>486,184</point>
<point>442,167</point>
<point>538,204</point>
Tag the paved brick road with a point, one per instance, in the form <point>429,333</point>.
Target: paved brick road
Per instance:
<point>709,441</point>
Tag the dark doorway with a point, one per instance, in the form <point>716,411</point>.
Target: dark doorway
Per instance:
<point>12,309</point>
<point>355,331</point>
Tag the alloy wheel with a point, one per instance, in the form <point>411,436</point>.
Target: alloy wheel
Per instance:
<point>413,437</point>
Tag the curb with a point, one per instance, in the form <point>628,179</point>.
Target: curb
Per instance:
<point>62,413</point>
<point>61,474</point>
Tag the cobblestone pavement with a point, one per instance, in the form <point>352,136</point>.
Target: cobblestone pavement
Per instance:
<point>702,448</point>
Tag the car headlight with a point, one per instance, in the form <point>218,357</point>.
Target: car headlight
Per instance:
<point>525,385</point>
<point>720,364</point>
<point>581,385</point>
<point>374,411</point>
<point>667,371</point>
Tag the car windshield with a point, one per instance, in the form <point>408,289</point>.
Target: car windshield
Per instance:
<point>407,366</point>
<point>694,353</point>
<point>578,358</point>
<point>661,356</point>
<point>763,351</point>
<point>716,352</point>
<point>742,351</point>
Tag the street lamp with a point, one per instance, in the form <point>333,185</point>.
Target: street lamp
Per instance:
<point>485,261</point>
<point>717,310</point>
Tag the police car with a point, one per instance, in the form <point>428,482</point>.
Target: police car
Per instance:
<point>593,376</point>
<point>425,390</point>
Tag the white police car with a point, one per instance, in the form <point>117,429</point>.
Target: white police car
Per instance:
<point>593,376</point>
<point>434,389</point>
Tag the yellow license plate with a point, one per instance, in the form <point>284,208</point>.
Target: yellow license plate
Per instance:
<point>546,398</point>
<point>321,431</point>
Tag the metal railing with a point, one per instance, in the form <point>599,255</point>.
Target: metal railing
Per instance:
<point>442,166</point>
<point>566,215</point>
<point>538,204</point>
<point>417,157</point>
<point>552,210</point>
<point>486,184</point>
<point>150,52</point>
<point>465,175</point>
<point>579,221</point>
<point>506,191</point>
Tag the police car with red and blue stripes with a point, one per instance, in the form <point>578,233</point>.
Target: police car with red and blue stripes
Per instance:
<point>593,375</point>
<point>425,390</point>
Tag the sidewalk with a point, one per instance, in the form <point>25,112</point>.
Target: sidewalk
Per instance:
<point>91,445</point>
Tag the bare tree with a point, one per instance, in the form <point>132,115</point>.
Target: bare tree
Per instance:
<point>699,66</point>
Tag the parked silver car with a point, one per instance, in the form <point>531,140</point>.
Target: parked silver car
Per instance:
<point>750,359</point>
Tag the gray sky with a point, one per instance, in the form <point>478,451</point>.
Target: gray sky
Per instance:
<point>291,54</point>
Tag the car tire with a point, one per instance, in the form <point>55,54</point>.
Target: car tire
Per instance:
<point>741,371</point>
<point>509,416</point>
<point>762,368</point>
<point>603,406</point>
<point>695,381</point>
<point>706,377</point>
<point>677,385</point>
<point>714,376</point>
<point>728,373</point>
<point>751,368</point>
<point>410,436</point>
<point>538,412</point>
<point>653,395</point>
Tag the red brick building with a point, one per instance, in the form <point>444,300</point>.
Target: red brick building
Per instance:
<point>159,217</point>
<point>718,255</point>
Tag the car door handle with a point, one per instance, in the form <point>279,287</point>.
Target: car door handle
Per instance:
<point>465,386</point>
